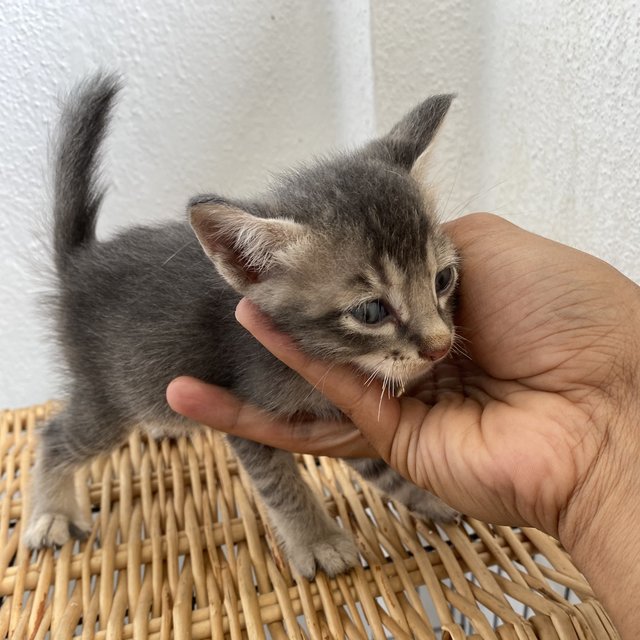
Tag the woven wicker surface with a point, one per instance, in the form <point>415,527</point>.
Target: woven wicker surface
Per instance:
<point>180,549</point>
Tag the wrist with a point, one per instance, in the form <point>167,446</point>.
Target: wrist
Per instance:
<point>601,524</point>
<point>611,483</point>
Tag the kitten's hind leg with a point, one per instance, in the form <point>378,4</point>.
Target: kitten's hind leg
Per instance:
<point>391,483</point>
<point>67,441</point>
<point>311,539</point>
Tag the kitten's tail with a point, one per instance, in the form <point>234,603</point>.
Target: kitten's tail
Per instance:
<point>77,192</point>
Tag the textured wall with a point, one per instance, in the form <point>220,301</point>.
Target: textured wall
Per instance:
<point>434,47</point>
<point>547,124</point>
<point>545,130</point>
<point>561,122</point>
<point>218,95</point>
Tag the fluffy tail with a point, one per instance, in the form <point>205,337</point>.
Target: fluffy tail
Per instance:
<point>77,193</point>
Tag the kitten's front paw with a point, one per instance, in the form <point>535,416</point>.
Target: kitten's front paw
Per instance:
<point>53,530</point>
<point>167,431</point>
<point>333,553</point>
<point>431,508</point>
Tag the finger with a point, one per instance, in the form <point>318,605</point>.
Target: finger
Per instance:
<point>374,413</point>
<point>216,407</point>
<point>473,227</point>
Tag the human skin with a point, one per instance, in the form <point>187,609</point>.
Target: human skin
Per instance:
<point>537,426</point>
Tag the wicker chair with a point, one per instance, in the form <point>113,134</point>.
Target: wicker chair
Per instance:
<point>180,549</point>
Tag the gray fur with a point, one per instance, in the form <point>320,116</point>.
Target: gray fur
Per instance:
<point>138,310</point>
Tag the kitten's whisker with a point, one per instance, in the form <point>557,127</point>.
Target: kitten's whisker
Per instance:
<point>401,384</point>
<point>394,367</point>
<point>453,184</point>
<point>322,378</point>
<point>369,381</point>
<point>458,210</point>
<point>456,345</point>
<point>320,381</point>
<point>397,173</point>
<point>175,253</point>
<point>460,350</point>
<point>459,346</point>
<point>373,377</point>
<point>375,373</point>
<point>384,385</point>
<point>458,336</point>
<point>461,341</point>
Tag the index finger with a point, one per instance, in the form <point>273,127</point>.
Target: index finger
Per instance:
<point>220,409</point>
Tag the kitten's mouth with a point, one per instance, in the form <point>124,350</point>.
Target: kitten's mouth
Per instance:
<point>396,376</point>
<point>398,373</point>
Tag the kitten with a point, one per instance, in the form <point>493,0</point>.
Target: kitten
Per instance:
<point>345,255</point>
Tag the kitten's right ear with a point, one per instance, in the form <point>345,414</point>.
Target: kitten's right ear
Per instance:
<point>410,137</point>
<point>242,246</point>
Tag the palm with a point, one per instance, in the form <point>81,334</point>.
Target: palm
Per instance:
<point>511,453</point>
<point>514,423</point>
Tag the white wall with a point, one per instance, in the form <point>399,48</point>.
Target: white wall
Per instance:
<point>218,95</point>
<point>545,129</point>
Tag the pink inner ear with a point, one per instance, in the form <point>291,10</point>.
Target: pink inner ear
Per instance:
<point>236,260</point>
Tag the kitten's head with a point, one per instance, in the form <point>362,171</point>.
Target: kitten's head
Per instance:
<point>346,255</point>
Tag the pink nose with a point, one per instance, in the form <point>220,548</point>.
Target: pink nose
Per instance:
<point>434,354</point>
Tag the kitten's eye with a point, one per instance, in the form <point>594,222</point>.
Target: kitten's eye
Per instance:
<point>371,312</point>
<point>444,279</point>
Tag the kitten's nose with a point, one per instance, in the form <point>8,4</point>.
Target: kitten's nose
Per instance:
<point>434,355</point>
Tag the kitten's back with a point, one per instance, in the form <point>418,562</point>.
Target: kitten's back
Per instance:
<point>147,300</point>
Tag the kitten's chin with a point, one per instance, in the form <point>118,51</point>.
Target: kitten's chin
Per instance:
<point>396,376</point>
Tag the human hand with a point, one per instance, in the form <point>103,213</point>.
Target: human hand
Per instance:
<point>510,434</point>
<point>538,426</point>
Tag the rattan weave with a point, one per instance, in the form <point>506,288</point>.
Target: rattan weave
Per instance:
<point>180,549</point>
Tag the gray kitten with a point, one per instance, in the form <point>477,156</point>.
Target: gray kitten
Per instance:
<point>345,255</point>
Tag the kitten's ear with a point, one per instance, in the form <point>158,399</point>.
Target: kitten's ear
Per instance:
<point>242,246</point>
<point>410,137</point>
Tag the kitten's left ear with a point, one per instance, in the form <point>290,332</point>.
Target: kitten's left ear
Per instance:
<point>243,247</point>
<point>410,137</point>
